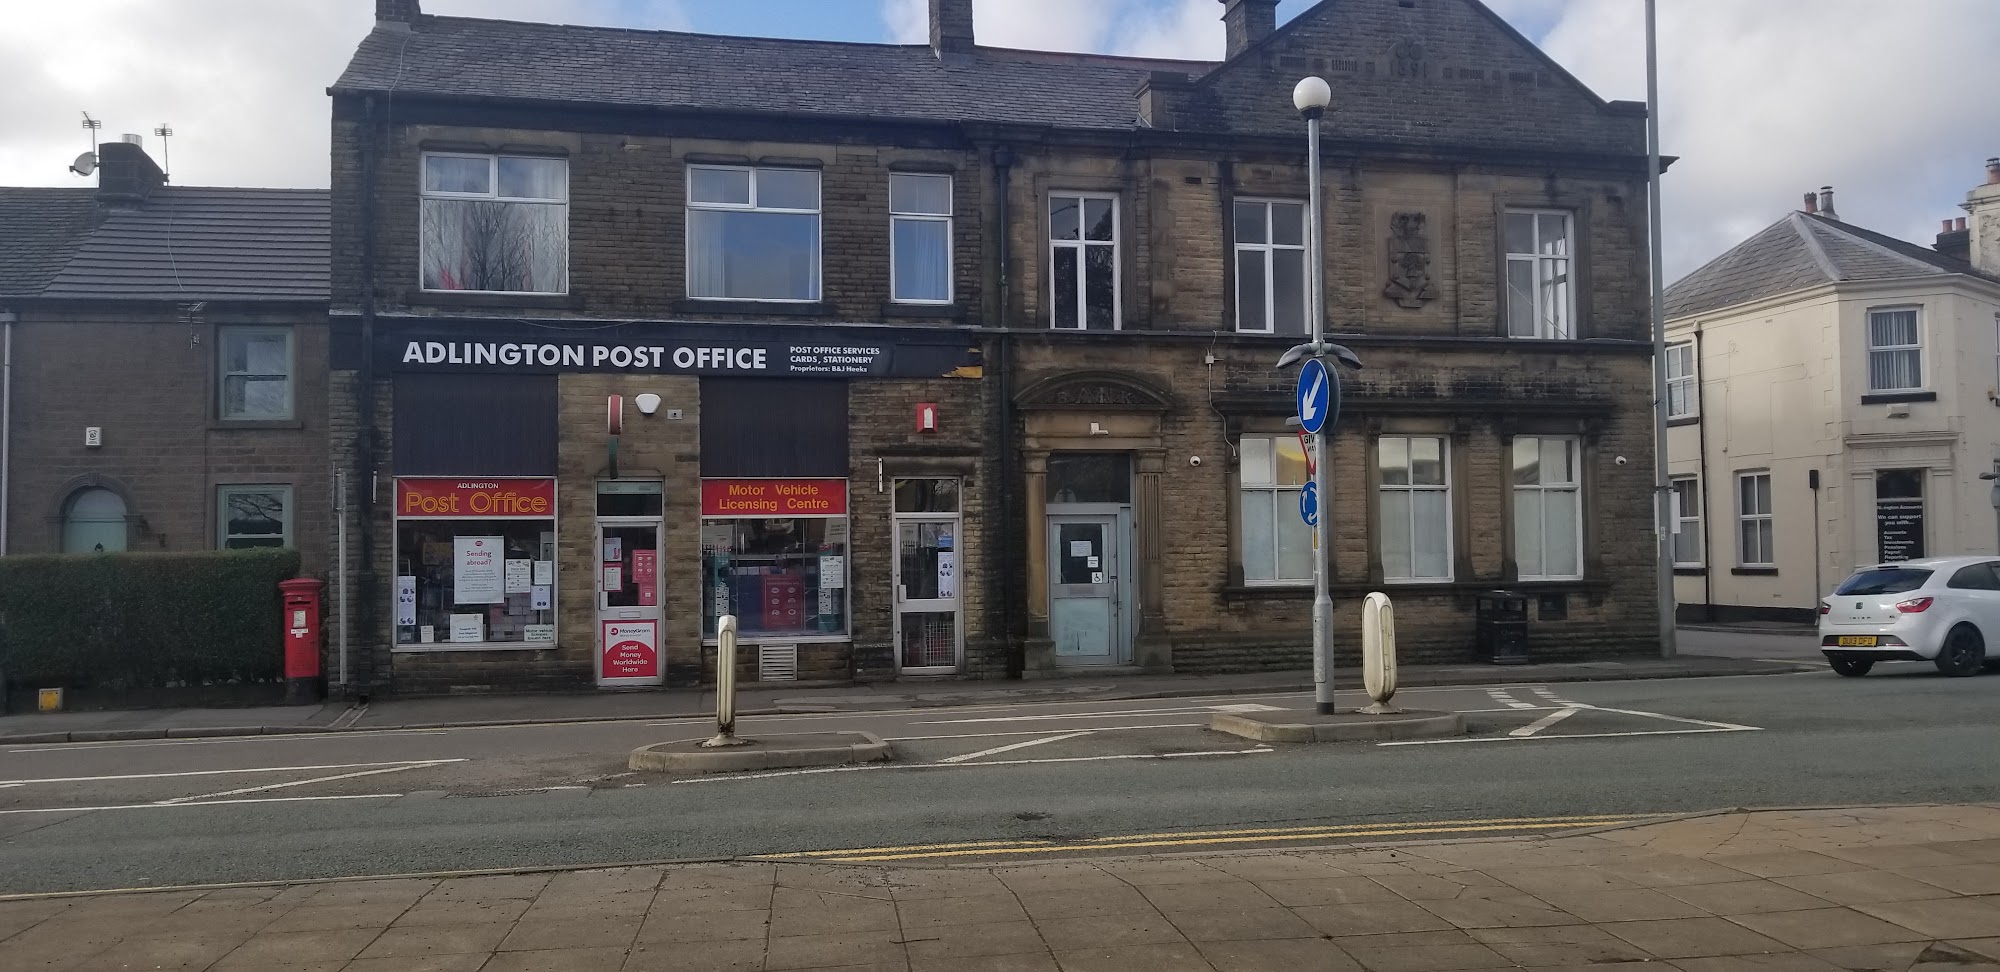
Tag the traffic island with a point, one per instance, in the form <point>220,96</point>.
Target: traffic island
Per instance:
<point>1297,726</point>
<point>791,751</point>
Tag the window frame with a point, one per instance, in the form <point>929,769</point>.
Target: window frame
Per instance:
<point>950,243</point>
<point>1688,382</point>
<point>1081,245</point>
<point>1765,517</point>
<point>1269,247</point>
<point>1916,311</point>
<point>1682,489</point>
<point>1278,493</point>
<point>1570,486</point>
<point>687,227</point>
<point>223,373</point>
<point>1509,257</point>
<point>1450,541</point>
<point>492,195</point>
<point>287,533</point>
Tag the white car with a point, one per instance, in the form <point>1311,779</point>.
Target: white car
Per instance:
<point>1945,610</point>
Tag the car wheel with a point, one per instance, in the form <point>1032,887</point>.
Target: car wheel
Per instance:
<point>1964,652</point>
<point>1852,667</point>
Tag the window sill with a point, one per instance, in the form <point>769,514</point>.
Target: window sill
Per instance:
<point>444,646</point>
<point>476,299</point>
<point>1889,398</point>
<point>1680,571</point>
<point>782,639</point>
<point>1240,592</point>
<point>1754,571</point>
<point>933,312</point>
<point>758,308</point>
<point>1683,420</point>
<point>249,425</point>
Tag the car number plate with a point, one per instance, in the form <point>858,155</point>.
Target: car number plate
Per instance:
<point>1857,641</point>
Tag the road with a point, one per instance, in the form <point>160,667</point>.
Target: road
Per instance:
<point>1013,782</point>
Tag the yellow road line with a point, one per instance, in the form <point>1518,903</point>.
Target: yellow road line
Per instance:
<point>1220,836</point>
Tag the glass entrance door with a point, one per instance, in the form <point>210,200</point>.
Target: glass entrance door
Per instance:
<point>628,603</point>
<point>1086,585</point>
<point>927,601</point>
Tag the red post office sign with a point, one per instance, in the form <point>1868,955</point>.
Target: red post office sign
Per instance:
<point>631,649</point>
<point>773,497</point>
<point>475,499</point>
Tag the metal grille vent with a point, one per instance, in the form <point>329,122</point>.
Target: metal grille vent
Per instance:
<point>777,663</point>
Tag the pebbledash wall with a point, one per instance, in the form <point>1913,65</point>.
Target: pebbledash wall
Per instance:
<point>1121,497</point>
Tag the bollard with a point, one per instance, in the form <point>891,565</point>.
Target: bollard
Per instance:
<point>1378,653</point>
<point>725,686</point>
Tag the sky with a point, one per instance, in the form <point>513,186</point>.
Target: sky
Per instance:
<point>1761,99</point>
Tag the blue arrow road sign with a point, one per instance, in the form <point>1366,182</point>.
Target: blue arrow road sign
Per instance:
<point>1314,395</point>
<point>1309,504</point>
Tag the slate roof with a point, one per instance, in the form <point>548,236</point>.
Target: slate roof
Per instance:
<point>1799,251</point>
<point>194,243</point>
<point>464,57</point>
<point>39,229</point>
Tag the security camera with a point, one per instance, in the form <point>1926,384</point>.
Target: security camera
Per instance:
<point>1621,460</point>
<point>1194,460</point>
<point>648,403</point>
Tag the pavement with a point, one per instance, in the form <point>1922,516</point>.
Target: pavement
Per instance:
<point>1708,654</point>
<point>1892,889</point>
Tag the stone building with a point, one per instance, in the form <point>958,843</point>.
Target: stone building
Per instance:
<point>950,359</point>
<point>165,365</point>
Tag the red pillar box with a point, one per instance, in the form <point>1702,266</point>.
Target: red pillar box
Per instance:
<point>302,639</point>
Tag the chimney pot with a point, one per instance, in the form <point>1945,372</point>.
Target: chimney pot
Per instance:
<point>951,27</point>
<point>1993,172</point>
<point>1946,228</point>
<point>1247,22</point>
<point>1826,203</point>
<point>1812,203</point>
<point>1958,225</point>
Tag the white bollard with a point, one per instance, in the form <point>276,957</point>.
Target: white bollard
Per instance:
<point>725,685</point>
<point>1378,653</point>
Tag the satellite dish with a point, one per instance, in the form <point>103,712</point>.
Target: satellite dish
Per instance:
<point>85,164</point>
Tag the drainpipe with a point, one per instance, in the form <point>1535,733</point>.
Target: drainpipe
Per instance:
<point>364,391</point>
<point>7,319</point>
<point>1005,554</point>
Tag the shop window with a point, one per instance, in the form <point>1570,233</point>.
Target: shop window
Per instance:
<point>920,238</point>
<point>254,516</point>
<point>1276,543</point>
<point>783,577</point>
<point>1271,267</point>
<point>1899,514</point>
<point>753,234</point>
<point>1416,508</point>
<point>1090,477</point>
<point>256,373</point>
<point>475,563</point>
<point>93,521</point>
<point>1541,297</point>
<point>1548,508</point>
<point>495,224</point>
<point>1083,256</point>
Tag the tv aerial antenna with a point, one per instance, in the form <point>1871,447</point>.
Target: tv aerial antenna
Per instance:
<point>166,133</point>
<point>86,163</point>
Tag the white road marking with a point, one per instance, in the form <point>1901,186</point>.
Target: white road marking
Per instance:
<point>322,779</point>
<point>209,803</point>
<point>1731,726</point>
<point>1057,716</point>
<point>1580,735</point>
<point>873,767</point>
<point>227,772</point>
<point>1037,732</point>
<point>1246,707</point>
<point>1544,722</point>
<point>1501,696</point>
<point>1545,693</point>
<point>1010,747</point>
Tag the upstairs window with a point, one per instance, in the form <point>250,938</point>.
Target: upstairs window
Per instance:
<point>920,238</point>
<point>256,371</point>
<point>1895,350</point>
<point>496,224</point>
<point>1271,267</point>
<point>1541,301</point>
<point>1681,401</point>
<point>1083,261</point>
<point>753,234</point>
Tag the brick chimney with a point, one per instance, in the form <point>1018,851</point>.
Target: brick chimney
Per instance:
<point>1248,21</point>
<point>405,12</point>
<point>1812,204</point>
<point>1953,240</point>
<point>951,27</point>
<point>125,173</point>
<point>1983,229</point>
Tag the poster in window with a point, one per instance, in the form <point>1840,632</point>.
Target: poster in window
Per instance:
<point>476,572</point>
<point>833,572</point>
<point>545,573</point>
<point>614,578</point>
<point>1899,529</point>
<point>540,597</point>
<point>468,628</point>
<point>519,575</point>
<point>631,649</point>
<point>538,632</point>
<point>947,570</point>
<point>645,571</point>
<point>406,601</point>
<point>614,548</point>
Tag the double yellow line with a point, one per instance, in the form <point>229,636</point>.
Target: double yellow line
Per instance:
<point>1207,838</point>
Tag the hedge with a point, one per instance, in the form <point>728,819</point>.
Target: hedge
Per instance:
<point>143,620</point>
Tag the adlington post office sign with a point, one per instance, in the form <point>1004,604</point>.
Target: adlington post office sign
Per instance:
<point>746,350</point>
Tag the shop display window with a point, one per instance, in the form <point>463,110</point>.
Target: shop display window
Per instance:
<point>489,582</point>
<point>782,577</point>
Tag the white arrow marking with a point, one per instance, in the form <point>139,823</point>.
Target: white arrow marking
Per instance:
<point>1309,409</point>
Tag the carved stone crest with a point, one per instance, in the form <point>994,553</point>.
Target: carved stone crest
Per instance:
<point>1407,59</point>
<point>1409,261</point>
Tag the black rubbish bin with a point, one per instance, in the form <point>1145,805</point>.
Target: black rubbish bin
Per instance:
<point>1503,628</point>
